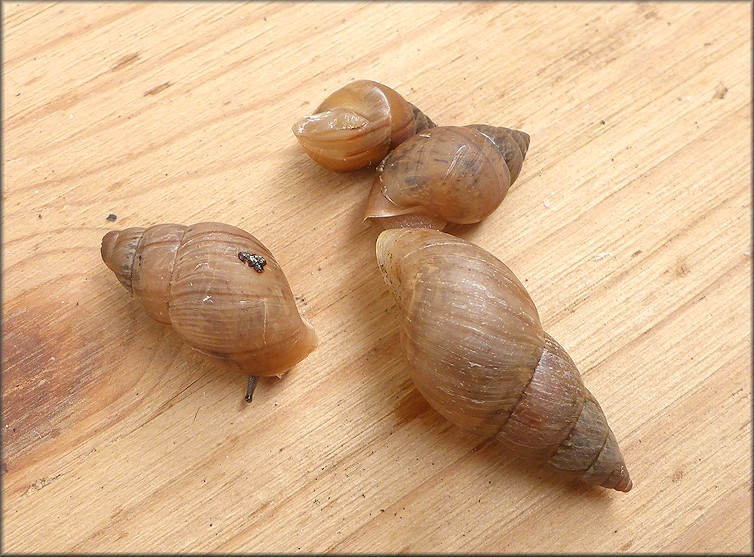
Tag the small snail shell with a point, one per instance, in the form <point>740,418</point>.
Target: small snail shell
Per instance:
<point>219,288</point>
<point>477,352</point>
<point>357,125</point>
<point>446,174</point>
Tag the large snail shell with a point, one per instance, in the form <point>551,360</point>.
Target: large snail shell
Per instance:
<point>191,278</point>
<point>357,125</point>
<point>446,174</point>
<point>477,352</point>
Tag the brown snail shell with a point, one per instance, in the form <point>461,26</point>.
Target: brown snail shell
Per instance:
<point>357,125</point>
<point>457,174</point>
<point>477,352</point>
<point>219,288</point>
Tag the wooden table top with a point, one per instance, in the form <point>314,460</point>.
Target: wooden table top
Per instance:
<point>630,226</point>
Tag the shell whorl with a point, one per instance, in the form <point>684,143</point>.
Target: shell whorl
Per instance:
<point>143,259</point>
<point>118,251</point>
<point>511,144</point>
<point>559,422</point>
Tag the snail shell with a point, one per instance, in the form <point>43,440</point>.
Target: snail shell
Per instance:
<point>195,279</point>
<point>357,125</point>
<point>477,352</point>
<point>446,174</point>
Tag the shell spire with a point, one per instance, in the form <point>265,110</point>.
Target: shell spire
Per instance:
<point>118,251</point>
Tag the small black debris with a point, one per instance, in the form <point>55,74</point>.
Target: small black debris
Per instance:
<point>257,262</point>
<point>112,217</point>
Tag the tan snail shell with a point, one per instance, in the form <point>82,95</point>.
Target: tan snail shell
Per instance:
<point>477,352</point>
<point>446,174</point>
<point>219,288</point>
<point>357,125</point>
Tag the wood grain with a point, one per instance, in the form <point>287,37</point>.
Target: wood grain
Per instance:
<point>630,226</point>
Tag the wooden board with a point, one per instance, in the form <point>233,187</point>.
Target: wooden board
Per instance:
<point>630,226</point>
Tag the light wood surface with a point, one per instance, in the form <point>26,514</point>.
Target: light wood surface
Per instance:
<point>629,226</point>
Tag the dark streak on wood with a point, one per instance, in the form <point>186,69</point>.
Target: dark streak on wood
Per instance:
<point>125,61</point>
<point>627,545</point>
<point>682,269</point>
<point>158,89</point>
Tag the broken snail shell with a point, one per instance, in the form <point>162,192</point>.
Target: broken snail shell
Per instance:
<point>357,125</point>
<point>478,354</point>
<point>457,174</point>
<point>219,288</point>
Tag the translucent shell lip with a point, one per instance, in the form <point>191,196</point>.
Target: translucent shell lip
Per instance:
<point>342,141</point>
<point>337,123</point>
